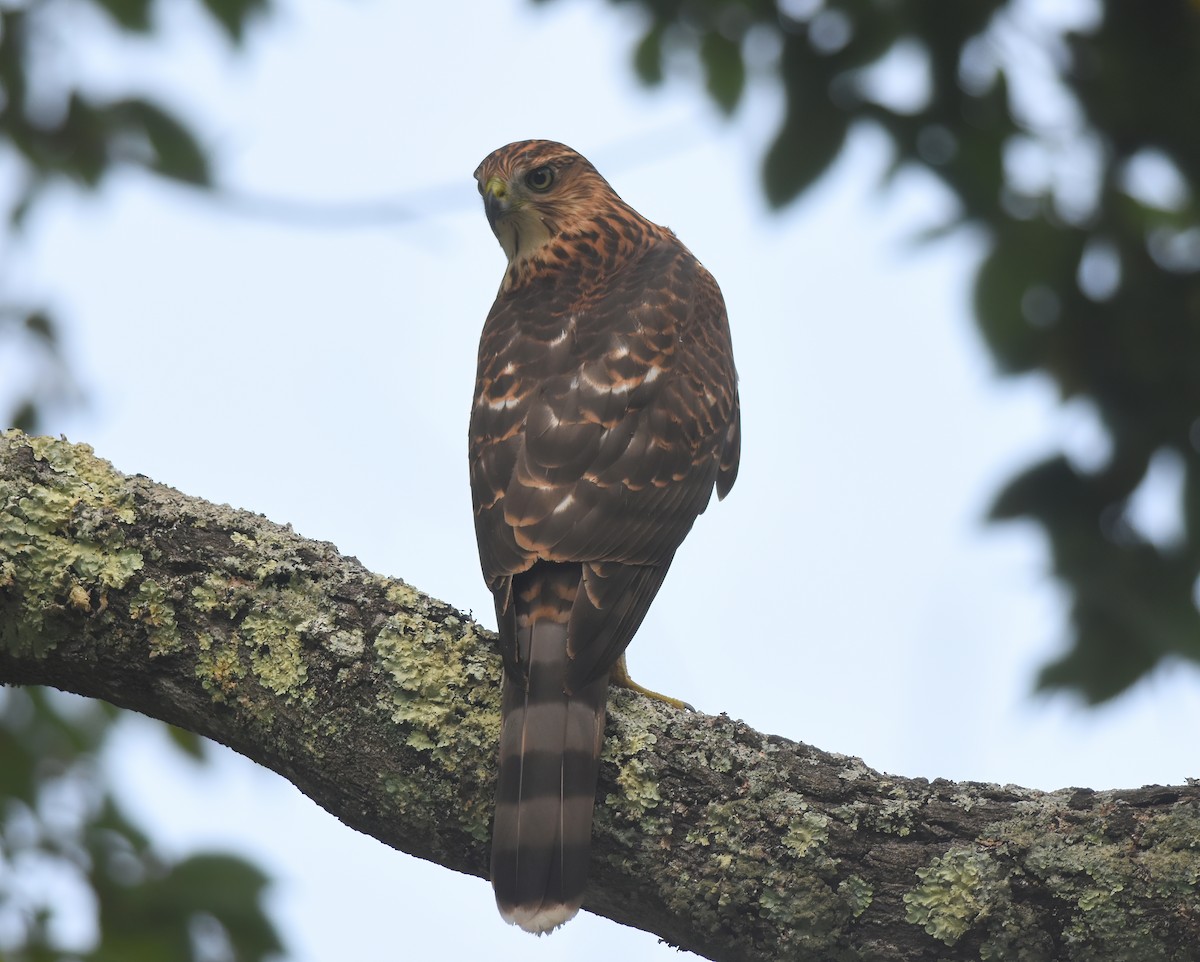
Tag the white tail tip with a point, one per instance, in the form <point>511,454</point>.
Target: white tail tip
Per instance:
<point>540,920</point>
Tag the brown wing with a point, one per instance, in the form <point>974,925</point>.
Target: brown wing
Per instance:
<point>601,424</point>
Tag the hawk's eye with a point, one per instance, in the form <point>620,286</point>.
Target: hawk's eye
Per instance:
<point>540,178</point>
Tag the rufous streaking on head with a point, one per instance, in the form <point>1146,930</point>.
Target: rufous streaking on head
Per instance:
<point>606,412</point>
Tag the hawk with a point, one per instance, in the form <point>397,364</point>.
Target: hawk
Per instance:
<point>606,411</point>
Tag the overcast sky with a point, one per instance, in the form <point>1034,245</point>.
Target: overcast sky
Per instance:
<point>846,594</point>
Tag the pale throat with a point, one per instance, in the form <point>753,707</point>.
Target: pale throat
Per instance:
<point>522,233</point>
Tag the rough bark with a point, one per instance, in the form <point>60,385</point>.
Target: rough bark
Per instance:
<point>381,704</point>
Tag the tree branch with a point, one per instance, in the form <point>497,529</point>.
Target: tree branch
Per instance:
<point>381,704</point>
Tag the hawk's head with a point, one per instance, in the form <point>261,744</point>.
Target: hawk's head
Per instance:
<point>536,190</point>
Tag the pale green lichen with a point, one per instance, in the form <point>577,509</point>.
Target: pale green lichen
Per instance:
<point>628,750</point>
<point>273,640</point>
<point>346,645</point>
<point>897,815</point>
<point>1108,868</point>
<point>443,711</point>
<point>804,906</point>
<point>951,895</point>
<point>219,592</point>
<point>770,853</point>
<point>854,769</point>
<point>268,622</point>
<point>723,826</point>
<point>639,790</point>
<point>267,594</point>
<point>804,834</point>
<point>435,673</point>
<point>964,800</point>
<point>151,607</point>
<point>1094,898</point>
<point>857,893</point>
<point>718,823</point>
<point>849,814</point>
<point>62,540</point>
<point>219,666</point>
<point>798,892</point>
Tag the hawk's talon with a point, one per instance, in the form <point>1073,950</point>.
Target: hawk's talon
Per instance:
<point>619,676</point>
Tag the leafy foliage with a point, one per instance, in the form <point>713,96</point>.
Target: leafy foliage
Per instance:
<point>53,131</point>
<point>59,823</point>
<point>1092,278</point>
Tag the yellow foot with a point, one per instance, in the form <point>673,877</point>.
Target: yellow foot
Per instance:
<point>620,676</point>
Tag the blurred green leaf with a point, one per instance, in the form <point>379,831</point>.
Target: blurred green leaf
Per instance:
<point>724,70</point>
<point>110,829</point>
<point>1191,500</point>
<point>25,417</point>
<point>68,132</point>
<point>648,56</point>
<point>1103,668</point>
<point>1134,608</point>
<point>1000,289</point>
<point>174,152</point>
<point>38,323</point>
<point>149,908</point>
<point>79,147</point>
<point>154,919</point>
<point>187,742</point>
<point>1041,492</point>
<point>133,15</point>
<point>235,15</point>
<point>802,150</point>
<point>813,128</point>
<point>218,883</point>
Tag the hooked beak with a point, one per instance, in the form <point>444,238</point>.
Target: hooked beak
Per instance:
<point>496,200</point>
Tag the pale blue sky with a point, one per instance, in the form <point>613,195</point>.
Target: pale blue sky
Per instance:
<point>846,594</point>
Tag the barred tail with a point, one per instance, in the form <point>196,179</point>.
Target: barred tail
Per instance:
<point>549,762</point>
